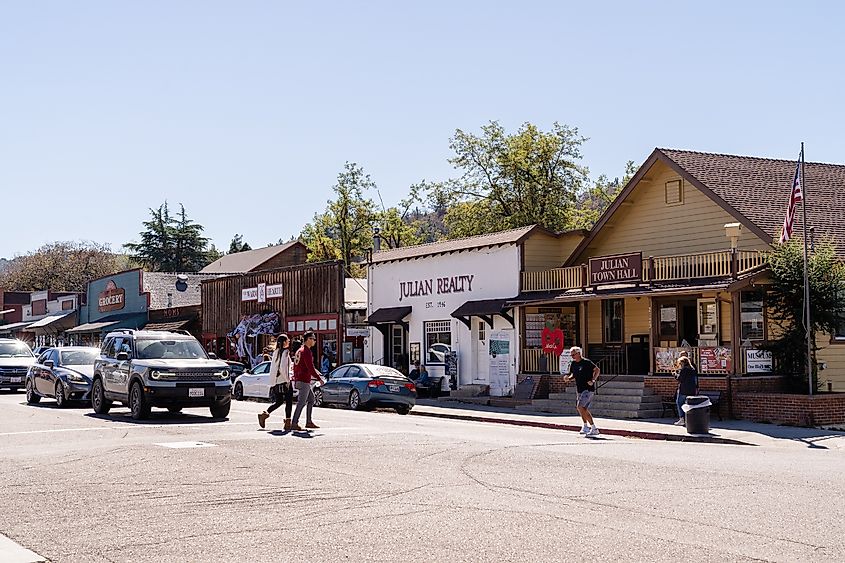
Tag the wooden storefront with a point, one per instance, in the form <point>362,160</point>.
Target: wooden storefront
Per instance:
<point>292,300</point>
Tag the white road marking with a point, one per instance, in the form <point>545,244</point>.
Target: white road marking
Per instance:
<point>180,445</point>
<point>11,552</point>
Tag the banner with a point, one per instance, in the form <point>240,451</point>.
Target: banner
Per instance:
<point>499,348</point>
<point>758,361</point>
<point>715,359</point>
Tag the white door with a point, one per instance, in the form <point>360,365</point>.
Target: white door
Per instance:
<point>482,363</point>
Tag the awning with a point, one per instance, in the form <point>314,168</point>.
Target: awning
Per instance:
<point>52,319</point>
<point>485,309</point>
<point>91,327</point>
<point>169,325</point>
<point>14,326</point>
<point>620,292</point>
<point>388,315</point>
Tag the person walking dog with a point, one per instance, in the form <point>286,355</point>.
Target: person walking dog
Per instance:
<point>280,372</point>
<point>303,372</point>
<point>585,373</point>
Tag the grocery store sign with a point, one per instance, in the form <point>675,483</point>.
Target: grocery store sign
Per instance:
<point>112,298</point>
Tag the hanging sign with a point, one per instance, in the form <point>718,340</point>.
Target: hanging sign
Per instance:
<point>112,298</point>
<point>616,269</point>
<point>262,293</point>
<point>552,341</point>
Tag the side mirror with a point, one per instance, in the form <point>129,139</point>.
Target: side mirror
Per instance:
<point>48,364</point>
<point>212,356</point>
<point>122,357</point>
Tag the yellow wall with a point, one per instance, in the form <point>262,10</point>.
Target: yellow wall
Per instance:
<point>636,317</point>
<point>646,223</point>
<point>594,327</point>
<point>543,251</point>
<point>834,356</point>
<point>725,325</point>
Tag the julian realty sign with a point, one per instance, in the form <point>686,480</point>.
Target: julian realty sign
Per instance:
<point>616,269</point>
<point>435,286</point>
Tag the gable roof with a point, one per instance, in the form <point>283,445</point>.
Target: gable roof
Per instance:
<point>753,190</point>
<point>247,261</point>
<point>510,236</point>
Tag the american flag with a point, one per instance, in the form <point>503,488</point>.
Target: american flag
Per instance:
<point>796,196</point>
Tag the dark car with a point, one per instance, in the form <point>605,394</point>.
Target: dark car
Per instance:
<point>63,374</point>
<point>361,386</point>
<point>235,369</point>
<point>15,359</point>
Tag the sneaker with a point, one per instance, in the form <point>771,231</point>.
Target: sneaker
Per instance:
<point>311,425</point>
<point>262,419</point>
<point>680,422</point>
<point>593,432</point>
<point>584,429</point>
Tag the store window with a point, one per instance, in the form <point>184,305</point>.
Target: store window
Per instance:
<point>668,321</point>
<point>438,341</point>
<point>537,319</point>
<point>482,331</point>
<point>613,314</point>
<point>751,307</point>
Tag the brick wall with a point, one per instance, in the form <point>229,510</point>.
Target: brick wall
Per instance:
<point>665,386</point>
<point>784,408</point>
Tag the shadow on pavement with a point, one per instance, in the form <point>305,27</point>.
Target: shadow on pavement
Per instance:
<point>158,418</point>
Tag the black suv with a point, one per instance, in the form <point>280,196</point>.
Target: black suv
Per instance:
<point>148,368</point>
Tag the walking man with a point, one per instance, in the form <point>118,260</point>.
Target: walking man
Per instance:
<point>585,373</point>
<point>303,372</point>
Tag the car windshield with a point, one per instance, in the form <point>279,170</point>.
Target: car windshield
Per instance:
<point>79,357</point>
<point>181,349</point>
<point>14,350</point>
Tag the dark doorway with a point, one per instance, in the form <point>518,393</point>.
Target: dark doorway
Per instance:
<point>688,329</point>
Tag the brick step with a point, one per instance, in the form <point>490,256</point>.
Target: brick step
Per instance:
<point>607,391</point>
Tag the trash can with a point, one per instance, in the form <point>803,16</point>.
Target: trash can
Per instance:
<point>697,414</point>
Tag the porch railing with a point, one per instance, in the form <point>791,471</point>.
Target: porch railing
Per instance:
<point>721,264</point>
<point>530,361</point>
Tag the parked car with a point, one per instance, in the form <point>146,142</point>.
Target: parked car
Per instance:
<point>235,369</point>
<point>438,352</point>
<point>38,350</point>
<point>256,383</point>
<point>63,374</point>
<point>149,368</point>
<point>15,359</point>
<point>361,386</point>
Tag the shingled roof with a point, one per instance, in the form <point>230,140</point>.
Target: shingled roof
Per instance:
<point>759,188</point>
<point>248,260</point>
<point>510,236</point>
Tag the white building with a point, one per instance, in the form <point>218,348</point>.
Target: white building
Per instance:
<point>451,304</point>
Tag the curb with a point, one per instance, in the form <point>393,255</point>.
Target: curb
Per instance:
<point>643,435</point>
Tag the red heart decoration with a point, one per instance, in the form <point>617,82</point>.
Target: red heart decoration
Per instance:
<point>552,341</point>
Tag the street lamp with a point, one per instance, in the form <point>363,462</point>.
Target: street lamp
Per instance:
<point>732,231</point>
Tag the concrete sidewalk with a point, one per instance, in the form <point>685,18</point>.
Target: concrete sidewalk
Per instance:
<point>737,432</point>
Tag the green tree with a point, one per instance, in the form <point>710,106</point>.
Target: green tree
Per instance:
<point>238,244</point>
<point>170,244</point>
<point>344,231</point>
<point>519,179</point>
<point>785,303</point>
<point>593,202</point>
<point>62,266</point>
<point>403,224</point>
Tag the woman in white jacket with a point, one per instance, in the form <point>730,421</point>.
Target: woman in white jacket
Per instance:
<point>282,390</point>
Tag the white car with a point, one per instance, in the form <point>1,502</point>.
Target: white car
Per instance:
<point>256,383</point>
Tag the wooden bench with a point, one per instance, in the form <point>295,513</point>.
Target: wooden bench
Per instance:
<point>715,400</point>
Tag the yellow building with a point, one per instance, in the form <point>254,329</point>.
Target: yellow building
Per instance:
<point>677,262</point>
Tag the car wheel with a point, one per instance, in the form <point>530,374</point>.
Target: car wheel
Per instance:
<point>220,409</point>
<point>31,396</point>
<point>99,403</point>
<point>403,409</point>
<point>61,400</point>
<point>138,405</point>
<point>174,410</point>
<point>238,393</point>
<point>354,400</point>
<point>318,397</point>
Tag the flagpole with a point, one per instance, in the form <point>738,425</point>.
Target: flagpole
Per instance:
<point>806,279</point>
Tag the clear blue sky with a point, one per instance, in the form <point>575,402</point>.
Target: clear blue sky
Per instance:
<point>246,111</point>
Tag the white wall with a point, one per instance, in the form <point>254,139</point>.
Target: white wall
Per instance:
<point>494,274</point>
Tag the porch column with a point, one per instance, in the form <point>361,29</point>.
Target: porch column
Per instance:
<point>736,329</point>
<point>652,334</point>
<point>582,312</point>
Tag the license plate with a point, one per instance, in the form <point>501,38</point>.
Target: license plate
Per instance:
<point>16,380</point>
<point>196,392</point>
<point>393,388</point>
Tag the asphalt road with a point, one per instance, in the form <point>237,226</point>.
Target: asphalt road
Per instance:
<point>376,486</point>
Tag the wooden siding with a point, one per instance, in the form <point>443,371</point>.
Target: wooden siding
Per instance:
<point>309,289</point>
<point>636,320</point>
<point>294,256</point>
<point>725,321</point>
<point>649,225</point>
<point>594,323</point>
<point>542,251</point>
<point>833,354</point>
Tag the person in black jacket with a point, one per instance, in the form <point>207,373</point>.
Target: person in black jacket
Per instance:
<point>687,385</point>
